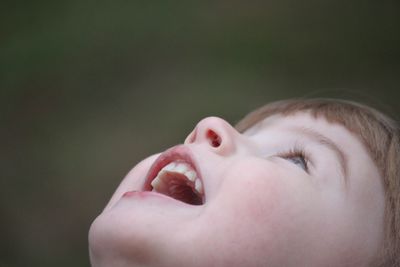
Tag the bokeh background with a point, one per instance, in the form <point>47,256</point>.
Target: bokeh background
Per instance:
<point>88,88</point>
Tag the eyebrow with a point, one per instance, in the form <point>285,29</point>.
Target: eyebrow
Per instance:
<point>325,141</point>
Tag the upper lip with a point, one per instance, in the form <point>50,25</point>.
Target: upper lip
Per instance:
<point>176,153</point>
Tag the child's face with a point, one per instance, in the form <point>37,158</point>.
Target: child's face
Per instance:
<point>264,205</point>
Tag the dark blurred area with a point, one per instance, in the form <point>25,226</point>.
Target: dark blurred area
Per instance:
<point>89,88</point>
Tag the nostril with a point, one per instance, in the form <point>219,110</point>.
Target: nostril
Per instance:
<point>213,138</point>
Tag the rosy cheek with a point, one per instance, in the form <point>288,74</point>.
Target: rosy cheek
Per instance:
<point>267,198</point>
<point>250,215</point>
<point>260,200</point>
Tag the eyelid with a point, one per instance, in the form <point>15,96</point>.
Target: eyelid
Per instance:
<point>297,151</point>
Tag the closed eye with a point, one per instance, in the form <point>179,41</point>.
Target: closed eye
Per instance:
<point>297,156</point>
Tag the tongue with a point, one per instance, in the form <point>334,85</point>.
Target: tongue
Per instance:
<point>177,186</point>
<point>168,180</point>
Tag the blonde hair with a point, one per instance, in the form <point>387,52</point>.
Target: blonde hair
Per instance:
<point>379,134</point>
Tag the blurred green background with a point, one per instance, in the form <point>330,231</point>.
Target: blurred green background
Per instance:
<point>88,88</point>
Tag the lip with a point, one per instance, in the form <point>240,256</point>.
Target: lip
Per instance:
<point>143,194</point>
<point>176,153</point>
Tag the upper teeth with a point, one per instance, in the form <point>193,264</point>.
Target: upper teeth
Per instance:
<point>182,168</point>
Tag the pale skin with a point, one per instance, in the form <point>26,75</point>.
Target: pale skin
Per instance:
<point>263,206</point>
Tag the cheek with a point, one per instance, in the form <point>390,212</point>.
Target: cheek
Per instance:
<point>263,209</point>
<point>256,200</point>
<point>268,193</point>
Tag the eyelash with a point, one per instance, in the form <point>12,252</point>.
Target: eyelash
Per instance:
<point>296,152</point>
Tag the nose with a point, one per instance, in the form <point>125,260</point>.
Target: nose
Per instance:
<point>216,133</point>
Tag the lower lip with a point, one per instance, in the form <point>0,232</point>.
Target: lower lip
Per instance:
<point>130,193</point>
<point>142,194</point>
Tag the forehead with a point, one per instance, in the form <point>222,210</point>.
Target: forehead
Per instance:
<point>301,120</point>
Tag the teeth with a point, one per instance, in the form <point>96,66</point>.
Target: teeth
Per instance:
<point>191,175</point>
<point>181,167</point>
<point>160,184</point>
<point>198,186</point>
<point>155,182</point>
<point>169,167</point>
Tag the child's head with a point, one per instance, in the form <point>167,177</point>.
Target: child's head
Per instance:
<point>297,183</point>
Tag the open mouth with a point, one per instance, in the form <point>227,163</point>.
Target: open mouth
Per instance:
<point>173,174</point>
<point>179,181</point>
